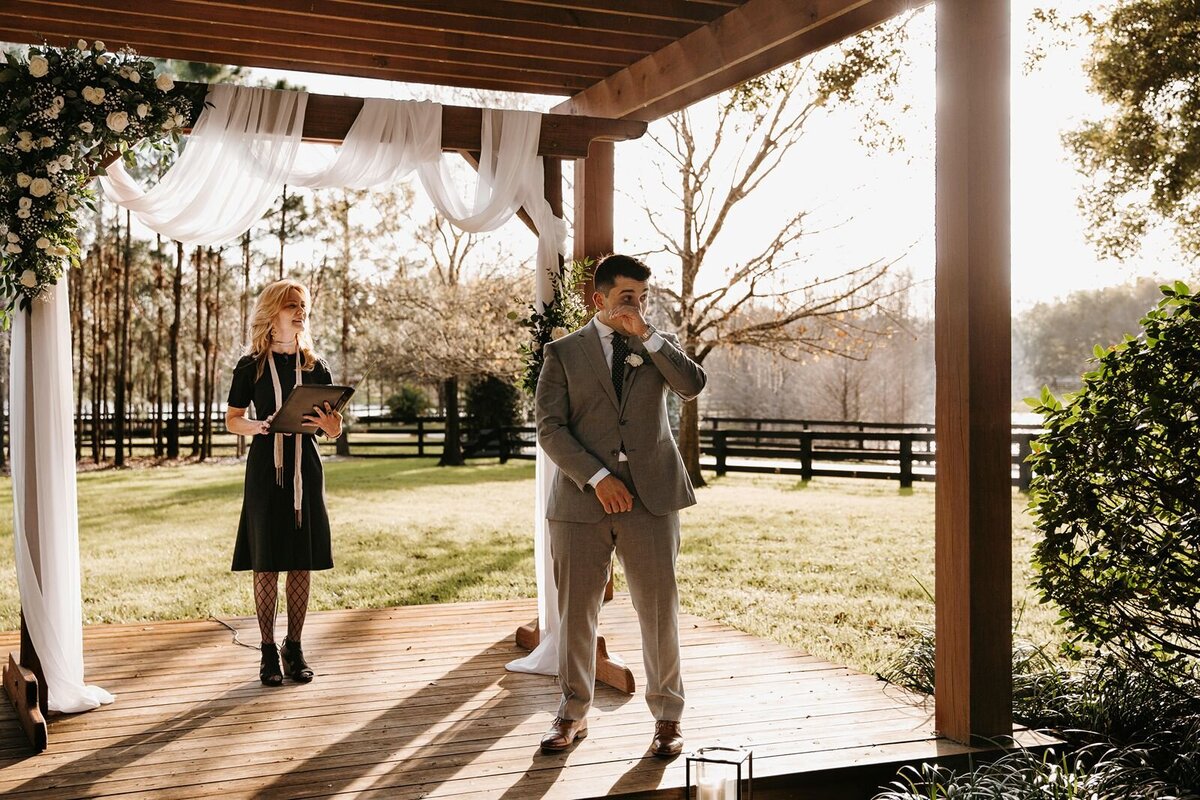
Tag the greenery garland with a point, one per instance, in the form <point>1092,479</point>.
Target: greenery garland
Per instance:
<point>63,115</point>
<point>566,312</point>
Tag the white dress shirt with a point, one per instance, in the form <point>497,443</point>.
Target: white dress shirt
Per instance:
<point>652,344</point>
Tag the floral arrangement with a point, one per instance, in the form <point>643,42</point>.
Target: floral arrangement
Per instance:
<point>566,312</point>
<point>64,114</point>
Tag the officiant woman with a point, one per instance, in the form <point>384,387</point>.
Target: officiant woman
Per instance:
<point>284,526</point>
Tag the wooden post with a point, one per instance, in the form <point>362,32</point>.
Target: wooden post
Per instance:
<point>1024,468</point>
<point>806,456</point>
<point>24,679</point>
<point>906,461</point>
<point>974,505</point>
<point>719,449</point>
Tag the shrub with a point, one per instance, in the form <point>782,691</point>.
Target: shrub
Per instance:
<point>493,403</point>
<point>408,404</point>
<point>1116,493</point>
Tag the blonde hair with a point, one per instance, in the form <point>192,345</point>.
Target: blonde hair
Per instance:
<point>262,324</point>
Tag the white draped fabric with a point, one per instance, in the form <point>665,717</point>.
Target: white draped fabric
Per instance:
<point>45,520</point>
<point>240,154</point>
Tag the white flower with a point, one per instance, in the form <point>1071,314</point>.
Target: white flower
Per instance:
<point>46,141</point>
<point>142,110</point>
<point>60,205</point>
<point>168,124</point>
<point>42,243</point>
<point>26,204</point>
<point>59,250</point>
<point>52,167</point>
<point>86,127</point>
<point>81,45</point>
<point>164,82</point>
<point>634,360</point>
<point>65,161</point>
<point>23,180</point>
<point>98,47</point>
<point>12,237</point>
<point>93,94</point>
<point>12,248</point>
<point>40,187</point>
<point>23,213</point>
<point>39,66</point>
<point>117,121</point>
<point>558,333</point>
<point>29,279</point>
<point>24,144</point>
<point>135,76</point>
<point>102,60</point>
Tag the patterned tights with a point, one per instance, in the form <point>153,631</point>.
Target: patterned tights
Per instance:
<point>266,602</point>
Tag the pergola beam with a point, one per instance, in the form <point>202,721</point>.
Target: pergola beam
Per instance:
<point>328,118</point>
<point>743,44</point>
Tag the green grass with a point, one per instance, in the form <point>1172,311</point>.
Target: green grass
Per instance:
<point>836,568</point>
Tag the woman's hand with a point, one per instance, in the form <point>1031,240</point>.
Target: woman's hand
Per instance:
<point>262,426</point>
<point>328,420</point>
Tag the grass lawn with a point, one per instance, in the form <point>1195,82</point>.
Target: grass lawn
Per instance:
<point>835,567</point>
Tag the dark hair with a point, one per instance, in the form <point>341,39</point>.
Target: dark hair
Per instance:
<point>611,266</point>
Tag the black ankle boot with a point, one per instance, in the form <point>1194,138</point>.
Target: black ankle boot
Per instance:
<point>293,662</point>
<point>268,671</point>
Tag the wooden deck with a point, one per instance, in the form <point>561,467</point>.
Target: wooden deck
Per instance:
<point>414,702</point>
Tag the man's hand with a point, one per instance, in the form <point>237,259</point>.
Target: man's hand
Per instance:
<point>613,495</point>
<point>631,318</point>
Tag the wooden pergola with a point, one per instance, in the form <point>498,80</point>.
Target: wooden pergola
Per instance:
<point>621,63</point>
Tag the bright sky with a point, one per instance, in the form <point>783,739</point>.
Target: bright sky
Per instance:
<point>879,206</point>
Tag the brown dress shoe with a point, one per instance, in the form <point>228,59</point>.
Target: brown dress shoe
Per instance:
<point>668,739</point>
<point>563,733</point>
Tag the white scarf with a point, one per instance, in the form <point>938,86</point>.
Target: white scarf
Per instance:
<point>297,481</point>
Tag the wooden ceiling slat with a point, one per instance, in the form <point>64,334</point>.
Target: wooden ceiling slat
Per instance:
<point>688,11</point>
<point>748,41</point>
<point>119,27</point>
<point>467,78</point>
<point>193,13</point>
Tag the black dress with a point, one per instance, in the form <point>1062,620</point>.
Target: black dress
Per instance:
<point>268,539</point>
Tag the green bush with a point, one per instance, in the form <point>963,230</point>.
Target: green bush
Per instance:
<point>408,404</point>
<point>1116,494</point>
<point>493,403</point>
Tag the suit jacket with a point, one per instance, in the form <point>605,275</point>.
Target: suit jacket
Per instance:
<point>582,427</point>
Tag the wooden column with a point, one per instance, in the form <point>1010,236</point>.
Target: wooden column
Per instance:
<point>594,184</point>
<point>974,503</point>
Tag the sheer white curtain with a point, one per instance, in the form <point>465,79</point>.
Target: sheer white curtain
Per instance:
<point>255,133</point>
<point>45,521</point>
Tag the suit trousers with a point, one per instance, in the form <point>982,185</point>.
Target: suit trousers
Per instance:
<point>648,547</point>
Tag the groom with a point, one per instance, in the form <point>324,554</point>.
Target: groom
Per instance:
<point>602,419</point>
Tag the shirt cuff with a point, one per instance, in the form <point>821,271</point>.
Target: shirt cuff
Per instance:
<point>600,475</point>
<point>654,343</point>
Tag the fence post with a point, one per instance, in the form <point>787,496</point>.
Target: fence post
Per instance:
<point>502,434</point>
<point>806,456</point>
<point>906,461</point>
<point>719,447</point>
<point>1024,468</point>
<point>420,436</point>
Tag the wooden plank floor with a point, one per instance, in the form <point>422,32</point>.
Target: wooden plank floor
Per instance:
<point>415,702</point>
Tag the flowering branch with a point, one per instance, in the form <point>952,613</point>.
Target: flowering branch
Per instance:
<point>566,312</point>
<point>64,115</point>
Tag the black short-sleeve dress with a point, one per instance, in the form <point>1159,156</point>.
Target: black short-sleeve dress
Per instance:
<point>268,539</point>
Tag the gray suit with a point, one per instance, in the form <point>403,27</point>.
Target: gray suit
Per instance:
<point>582,428</point>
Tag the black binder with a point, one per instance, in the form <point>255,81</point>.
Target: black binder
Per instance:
<point>300,402</point>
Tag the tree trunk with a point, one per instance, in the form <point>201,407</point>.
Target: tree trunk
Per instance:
<point>282,229</point>
<point>122,331</point>
<point>77,328</point>
<point>689,440</point>
<point>173,345</point>
<point>343,441</point>
<point>197,360</point>
<point>452,447</point>
<point>156,429</point>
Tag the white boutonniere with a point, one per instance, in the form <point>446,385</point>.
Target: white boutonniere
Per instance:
<point>634,360</point>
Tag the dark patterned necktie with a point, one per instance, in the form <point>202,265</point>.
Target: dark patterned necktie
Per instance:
<point>620,351</point>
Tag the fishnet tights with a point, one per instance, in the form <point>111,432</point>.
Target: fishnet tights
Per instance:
<point>266,603</point>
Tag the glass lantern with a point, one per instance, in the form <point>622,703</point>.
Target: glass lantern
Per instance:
<point>720,773</point>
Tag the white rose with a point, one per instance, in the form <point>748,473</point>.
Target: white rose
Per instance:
<point>93,94</point>
<point>23,213</point>
<point>58,102</point>
<point>24,203</point>
<point>60,205</point>
<point>98,47</point>
<point>86,127</point>
<point>25,145</point>
<point>13,248</point>
<point>23,180</point>
<point>168,124</point>
<point>634,360</point>
<point>81,45</point>
<point>558,333</point>
<point>164,82</point>
<point>142,110</point>
<point>117,121</point>
<point>39,66</point>
<point>40,187</point>
<point>102,60</point>
<point>65,162</point>
<point>135,76</point>
<point>42,243</point>
<point>12,237</point>
<point>46,141</point>
<point>29,279</point>
<point>52,167</point>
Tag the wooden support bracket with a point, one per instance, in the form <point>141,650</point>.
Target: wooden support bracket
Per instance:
<point>22,688</point>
